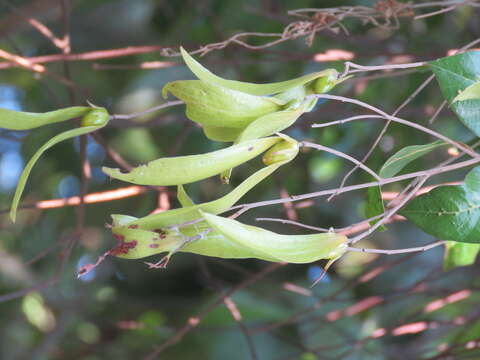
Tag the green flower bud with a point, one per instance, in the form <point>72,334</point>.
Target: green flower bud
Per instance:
<point>283,151</point>
<point>95,117</point>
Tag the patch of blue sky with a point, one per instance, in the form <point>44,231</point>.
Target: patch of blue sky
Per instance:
<point>68,186</point>
<point>10,97</point>
<point>314,272</point>
<point>90,276</point>
<point>11,165</point>
<point>96,153</point>
<point>11,161</point>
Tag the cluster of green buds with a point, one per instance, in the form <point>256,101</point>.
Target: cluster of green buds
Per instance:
<point>251,116</point>
<point>197,228</point>
<point>230,110</point>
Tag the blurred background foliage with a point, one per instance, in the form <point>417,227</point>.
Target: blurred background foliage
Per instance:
<point>122,310</point>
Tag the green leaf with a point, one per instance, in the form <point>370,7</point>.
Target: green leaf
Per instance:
<point>19,120</point>
<point>391,168</point>
<point>459,254</point>
<point>250,88</point>
<point>455,74</point>
<point>26,171</point>
<point>405,156</point>
<point>449,212</point>
<point>471,92</point>
<point>472,180</point>
<point>375,205</point>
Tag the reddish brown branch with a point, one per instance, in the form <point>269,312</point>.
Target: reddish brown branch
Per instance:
<point>92,198</point>
<point>90,55</point>
<point>15,60</point>
<point>103,196</point>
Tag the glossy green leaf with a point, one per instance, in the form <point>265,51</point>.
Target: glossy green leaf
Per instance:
<point>459,254</point>
<point>26,171</point>
<point>405,156</point>
<point>455,74</point>
<point>251,88</point>
<point>19,120</point>
<point>214,105</point>
<point>472,180</point>
<point>375,205</point>
<point>392,167</point>
<point>449,212</point>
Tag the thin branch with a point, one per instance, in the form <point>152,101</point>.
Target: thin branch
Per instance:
<point>408,100</point>
<point>40,27</point>
<point>347,230</point>
<point>296,223</point>
<point>437,112</point>
<point>429,173</point>
<point>390,212</point>
<point>398,251</point>
<point>385,128</point>
<point>145,112</point>
<point>322,19</point>
<point>390,195</point>
<point>111,153</point>
<point>363,68</point>
<point>91,55</point>
<point>233,309</point>
<point>21,61</point>
<point>364,225</point>
<point>400,121</point>
<point>342,155</point>
<point>438,12</point>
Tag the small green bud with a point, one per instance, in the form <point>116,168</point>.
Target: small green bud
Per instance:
<point>325,83</point>
<point>95,117</point>
<point>283,151</point>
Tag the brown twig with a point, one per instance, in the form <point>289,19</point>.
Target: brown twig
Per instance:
<point>92,198</point>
